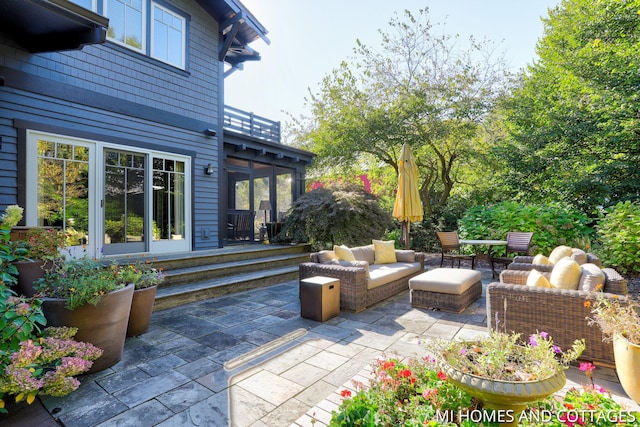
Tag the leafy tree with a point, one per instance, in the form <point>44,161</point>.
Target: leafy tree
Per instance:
<point>574,123</point>
<point>417,87</point>
<point>342,214</point>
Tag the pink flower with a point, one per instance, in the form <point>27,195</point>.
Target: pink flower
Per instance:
<point>429,393</point>
<point>587,367</point>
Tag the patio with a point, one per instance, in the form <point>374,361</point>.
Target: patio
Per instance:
<point>249,359</point>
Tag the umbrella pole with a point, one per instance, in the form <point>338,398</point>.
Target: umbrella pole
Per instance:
<point>405,234</point>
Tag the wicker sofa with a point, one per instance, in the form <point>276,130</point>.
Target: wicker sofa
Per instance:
<point>513,306</point>
<point>368,283</point>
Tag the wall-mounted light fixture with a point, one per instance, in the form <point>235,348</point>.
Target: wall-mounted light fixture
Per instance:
<point>209,169</point>
<point>210,132</point>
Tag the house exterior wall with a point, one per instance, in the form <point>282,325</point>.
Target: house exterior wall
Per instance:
<point>113,94</point>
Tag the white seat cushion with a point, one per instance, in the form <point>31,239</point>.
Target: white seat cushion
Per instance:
<point>445,280</point>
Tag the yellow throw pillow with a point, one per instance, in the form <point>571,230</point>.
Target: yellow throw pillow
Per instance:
<point>540,260</point>
<point>558,253</point>
<point>385,251</point>
<point>565,274</point>
<point>535,278</point>
<point>343,253</point>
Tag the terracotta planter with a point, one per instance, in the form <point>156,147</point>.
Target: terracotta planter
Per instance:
<point>103,325</point>
<point>627,356</point>
<point>511,397</point>
<point>141,308</point>
<point>29,272</point>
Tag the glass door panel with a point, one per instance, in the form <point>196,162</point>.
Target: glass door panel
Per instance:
<point>62,193</point>
<point>124,202</point>
<point>169,215</point>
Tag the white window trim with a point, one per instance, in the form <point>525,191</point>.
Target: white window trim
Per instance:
<point>183,41</point>
<point>145,20</point>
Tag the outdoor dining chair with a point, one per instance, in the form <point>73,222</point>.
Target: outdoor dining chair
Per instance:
<point>517,244</point>
<point>450,244</point>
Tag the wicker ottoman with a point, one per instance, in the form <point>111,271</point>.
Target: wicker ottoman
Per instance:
<point>449,289</point>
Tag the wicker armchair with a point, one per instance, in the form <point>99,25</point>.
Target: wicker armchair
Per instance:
<point>523,262</point>
<point>513,306</point>
<point>354,293</point>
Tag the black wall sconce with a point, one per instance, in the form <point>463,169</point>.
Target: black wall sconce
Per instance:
<point>209,169</point>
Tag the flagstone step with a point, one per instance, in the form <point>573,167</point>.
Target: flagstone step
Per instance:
<point>173,296</point>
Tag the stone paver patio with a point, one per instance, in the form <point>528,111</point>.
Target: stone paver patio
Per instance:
<point>249,359</point>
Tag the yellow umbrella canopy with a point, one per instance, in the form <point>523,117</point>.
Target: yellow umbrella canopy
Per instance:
<point>408,206</point>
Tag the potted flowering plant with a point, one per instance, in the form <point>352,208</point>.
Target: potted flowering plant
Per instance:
<point>85,294</point>
<point>504,373</point>
<point>145,279</point>
<point>42,248</point>
<point>619,321</point>
<point>36,362</point>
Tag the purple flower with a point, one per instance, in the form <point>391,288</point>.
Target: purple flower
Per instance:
<point>557,349</point>
<point>532,341</point>
<point>544,335</point>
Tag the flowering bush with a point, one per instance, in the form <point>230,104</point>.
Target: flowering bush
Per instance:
<point>9,253</point>
<point>500,356</point>
<point>32,362</point>
<point>79,281</point>
<point>400,394</point>
<point>616,315</point>
<point>417,393</point>
<point>44,243</point>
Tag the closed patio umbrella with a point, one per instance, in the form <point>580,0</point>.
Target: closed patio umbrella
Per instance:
<point>408,206</point>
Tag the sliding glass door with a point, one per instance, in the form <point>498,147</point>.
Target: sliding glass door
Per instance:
<point>110,200</point>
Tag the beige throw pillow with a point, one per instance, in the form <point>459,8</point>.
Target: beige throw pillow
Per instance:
<point>592,278</point>
<point>540,260</point>
<point>565,274</point>
<point>535,278</point>
<point>364,253</point>
<point>558,253</point>
<point>385,251</point>
<point>326,256</point>
<point>406,255</point>
<point>343,253</point>
<point>579,256</point>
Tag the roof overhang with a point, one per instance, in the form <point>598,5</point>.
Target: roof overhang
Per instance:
<point>51,25</point>
<point>238,28</point>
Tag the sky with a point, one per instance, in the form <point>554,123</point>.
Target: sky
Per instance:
<point>311,38</point>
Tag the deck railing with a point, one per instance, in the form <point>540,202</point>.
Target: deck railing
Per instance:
<point>251,124</point>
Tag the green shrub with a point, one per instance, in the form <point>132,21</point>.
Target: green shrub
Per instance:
<point>552,225</point>
<point>343,214</point>
<point>619,235</point>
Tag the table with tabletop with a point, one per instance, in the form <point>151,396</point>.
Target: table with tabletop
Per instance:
<point>482,242</point>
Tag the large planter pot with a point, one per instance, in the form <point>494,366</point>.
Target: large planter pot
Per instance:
<point>141,308</point>
<point>103,325</point>
<point>511,397</point>
<point>627,357</point>
<point>29,272</point>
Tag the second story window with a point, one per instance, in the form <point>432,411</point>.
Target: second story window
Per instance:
<point>168,36</point>
<point>126,22</point>
<point>150,27</point>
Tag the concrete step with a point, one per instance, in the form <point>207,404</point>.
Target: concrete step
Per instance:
<point>174,296</point>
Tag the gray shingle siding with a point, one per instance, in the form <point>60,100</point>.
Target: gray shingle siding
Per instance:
<point>80,97</point>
